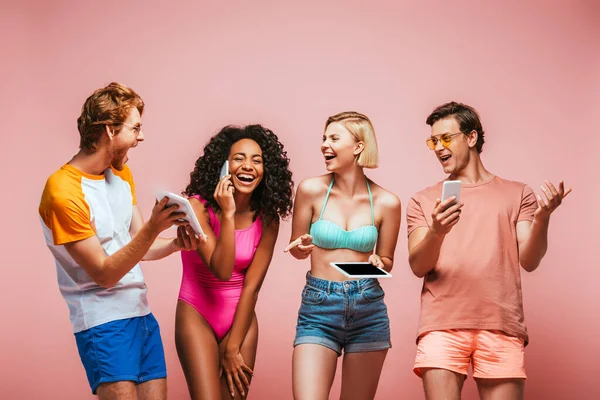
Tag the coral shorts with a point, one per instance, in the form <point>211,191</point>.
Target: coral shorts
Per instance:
<point>493,354</point>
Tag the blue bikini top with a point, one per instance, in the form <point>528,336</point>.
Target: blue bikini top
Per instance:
<point>328,235</point>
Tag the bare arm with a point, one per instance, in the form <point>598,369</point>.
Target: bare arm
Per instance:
<point>163,247</point>
<point>301,245</point>
<point>232,361</point>
<point>105,270</point>
<point>424,244</point>
<point>222,260</point>
<point>532,237</point>
<point>423,250</point>
<point>388,232</point>
<point>253,281</point>
<point>218,253</point>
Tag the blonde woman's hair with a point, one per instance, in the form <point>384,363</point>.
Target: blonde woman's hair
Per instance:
<point>360,126</point>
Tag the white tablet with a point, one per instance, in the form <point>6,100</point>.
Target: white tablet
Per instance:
<point>360,270</point>
<point>184,206</point>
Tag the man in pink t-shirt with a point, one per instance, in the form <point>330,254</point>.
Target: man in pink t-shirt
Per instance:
<point>470,253</point>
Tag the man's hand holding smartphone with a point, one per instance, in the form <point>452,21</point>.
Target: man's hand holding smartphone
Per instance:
<point>446,212</point>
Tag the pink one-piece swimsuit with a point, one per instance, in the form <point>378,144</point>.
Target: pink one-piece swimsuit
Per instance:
<point>216,300</point>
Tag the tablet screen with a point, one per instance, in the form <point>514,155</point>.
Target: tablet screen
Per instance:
<point>360,269</point>
<point>184,206</point>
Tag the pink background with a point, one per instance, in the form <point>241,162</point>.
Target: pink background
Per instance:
<point>530,68</point>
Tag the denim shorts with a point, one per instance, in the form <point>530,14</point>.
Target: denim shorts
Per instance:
<point>349,315</point>
<point>124,350</point>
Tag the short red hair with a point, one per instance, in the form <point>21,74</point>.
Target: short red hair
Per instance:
<point>110,105</point>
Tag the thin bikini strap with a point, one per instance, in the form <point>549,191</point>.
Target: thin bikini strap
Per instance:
<point>371,200</point>
<point>326,198</point>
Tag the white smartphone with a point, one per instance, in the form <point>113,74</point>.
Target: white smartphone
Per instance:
<point>224,170</point>
<point>451,188</point>
<point>184,207</point>
<point>360,270</point>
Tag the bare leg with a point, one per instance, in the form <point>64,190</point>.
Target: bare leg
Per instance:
<point>442,384</point>
<point>360,374</point>
<point>122,390</point>
<point>248,351</point>
<point>313,371</point>
<point>501,389</point>
<point>198,353</point>
<point>156,389</point>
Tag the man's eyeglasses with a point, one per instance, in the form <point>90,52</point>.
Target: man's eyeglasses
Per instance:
<point>445,139</point>
<point>136,128</point>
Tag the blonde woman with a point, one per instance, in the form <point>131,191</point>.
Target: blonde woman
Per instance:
<point>343,216</point>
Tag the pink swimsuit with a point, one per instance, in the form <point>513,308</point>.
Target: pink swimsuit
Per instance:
<point>214,299</point>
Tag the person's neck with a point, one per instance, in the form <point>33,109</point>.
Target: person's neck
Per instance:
<point>242,202</point>
<point>92,163</point>
<point>473,173</point>
<point>351,181</point>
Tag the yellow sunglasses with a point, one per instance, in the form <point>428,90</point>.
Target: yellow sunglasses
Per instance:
<point>445,139</point>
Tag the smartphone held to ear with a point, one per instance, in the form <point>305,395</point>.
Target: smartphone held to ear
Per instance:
<point>224,170</point>
<point>451,188</point>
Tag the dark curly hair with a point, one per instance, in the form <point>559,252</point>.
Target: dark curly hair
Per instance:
<point>272,199</point>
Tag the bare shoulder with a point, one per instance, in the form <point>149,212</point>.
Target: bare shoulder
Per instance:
<point>197,205</point>
<point>199,208</point>
<point>272,228</point>
<point>385,199</point>
<point>314,186</point>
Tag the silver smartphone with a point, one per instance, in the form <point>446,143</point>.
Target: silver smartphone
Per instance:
<point>224,170</point>
<point>451,188</point>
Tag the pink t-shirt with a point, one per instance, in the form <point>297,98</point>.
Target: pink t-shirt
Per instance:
<point>476,283</point>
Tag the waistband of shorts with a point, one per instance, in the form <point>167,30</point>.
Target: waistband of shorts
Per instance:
<point>353,285</point>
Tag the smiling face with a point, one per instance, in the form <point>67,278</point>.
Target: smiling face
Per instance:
<point>340,148</point>
<point>128,137</point>
<point>457,155</point>
<point>246,165</point>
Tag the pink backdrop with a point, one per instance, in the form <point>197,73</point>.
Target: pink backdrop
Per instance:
<point>530,69</point>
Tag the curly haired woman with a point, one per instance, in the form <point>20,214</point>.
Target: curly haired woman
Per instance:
<point>216,329</point>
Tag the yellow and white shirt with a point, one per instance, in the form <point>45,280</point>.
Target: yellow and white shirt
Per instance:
<point>76,206</point>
